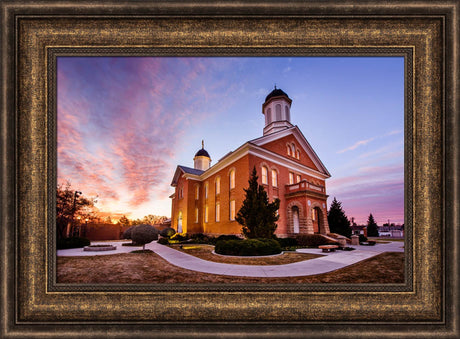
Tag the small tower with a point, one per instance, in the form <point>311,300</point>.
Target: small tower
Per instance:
<point>276,108</point>
<point>202,159</point>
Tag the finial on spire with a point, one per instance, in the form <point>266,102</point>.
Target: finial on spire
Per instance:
<point>275,85</point>
<point>202,144</point>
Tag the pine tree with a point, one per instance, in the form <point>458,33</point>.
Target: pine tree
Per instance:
<point>257,216</point>
<point>372,229</point>
<point>338,221</point>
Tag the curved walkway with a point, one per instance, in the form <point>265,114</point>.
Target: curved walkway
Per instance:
<point>329,262</point>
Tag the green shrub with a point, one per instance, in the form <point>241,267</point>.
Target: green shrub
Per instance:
<point>178,237</point>
<point>313,240</point>
<point>127,233</point>
<point>287,242</point>
<point>248,247</point>
<point>163,241</point>
<point>144,234</point>
<point>362,238</point>
<point>73,242</point>
<point>168,232</point>
<point>200,238</point>
<point>228,237</point>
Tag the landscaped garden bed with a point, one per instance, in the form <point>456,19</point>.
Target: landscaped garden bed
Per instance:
<point>205,252</point>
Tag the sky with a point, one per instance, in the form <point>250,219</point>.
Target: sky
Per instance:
<point>125,123</point>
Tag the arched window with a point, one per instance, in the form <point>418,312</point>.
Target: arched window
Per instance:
<point>286,110</point>
<point>206,186</point>
<point>274,178</point>
<point>278,112</point>
<point>232,179</point>
<point>217,185</point>
<point>289,150</point>
<point>268,117</point>
<point>217,212</point>
<point>264,175</point>
<point>297,154</point>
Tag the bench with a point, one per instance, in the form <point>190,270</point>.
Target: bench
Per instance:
<point>328,248</point>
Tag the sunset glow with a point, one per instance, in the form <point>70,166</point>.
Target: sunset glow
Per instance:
<point>125,123</point>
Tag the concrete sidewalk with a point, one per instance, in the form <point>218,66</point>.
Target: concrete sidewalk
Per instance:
<point>329,262</point>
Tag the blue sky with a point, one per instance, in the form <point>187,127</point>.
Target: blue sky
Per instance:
<point>125,123</point>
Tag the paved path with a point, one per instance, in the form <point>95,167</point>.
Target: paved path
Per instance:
<point>329,262</point>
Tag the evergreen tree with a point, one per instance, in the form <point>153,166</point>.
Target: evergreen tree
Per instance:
<point>257,216</point>
<point>372,229</point>
<point>338,221</point>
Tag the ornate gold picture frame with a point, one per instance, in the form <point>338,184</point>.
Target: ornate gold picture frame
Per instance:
<point>33,36</point>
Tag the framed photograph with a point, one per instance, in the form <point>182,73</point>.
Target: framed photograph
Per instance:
<point>51,60</point>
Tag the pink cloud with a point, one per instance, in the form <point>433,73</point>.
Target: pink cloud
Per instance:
<point>376,190</point>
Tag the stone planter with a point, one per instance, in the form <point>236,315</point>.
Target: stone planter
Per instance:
<point>98,248</point>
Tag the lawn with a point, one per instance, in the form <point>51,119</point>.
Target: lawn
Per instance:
<point>150,268</point>
<point>205,252</point>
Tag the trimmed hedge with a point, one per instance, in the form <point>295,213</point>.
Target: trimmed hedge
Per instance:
<point>168,232</point>
<point>144,234</point>
<point>127,232</point>
<point>163,241</point>
<point>287,242</point>
<point>362,238</point>
<point>178,237</point>
<point>314,240</point>
<point>248,247</point>
<point>200,238</point>
<point>73,242</point>
<point>228,237</point>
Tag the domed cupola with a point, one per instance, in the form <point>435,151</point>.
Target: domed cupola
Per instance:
<point>202,159</point>
<point>276,109</point>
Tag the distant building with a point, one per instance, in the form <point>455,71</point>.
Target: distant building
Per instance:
<point>359,229</point>
<point>207,198</point>
<point>394,231</point>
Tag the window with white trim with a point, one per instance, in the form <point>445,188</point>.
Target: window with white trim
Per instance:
<point>297,178</point>
<point>206,186</point>
<point>274,178</point>
<point>264,175</point>
<point>289,150</point>
<point>217,185</point>
<point>297,154</point>
<point>217,211</point>
<point>232,179</point>
<point>232,209</point>
<point>291,178</point>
